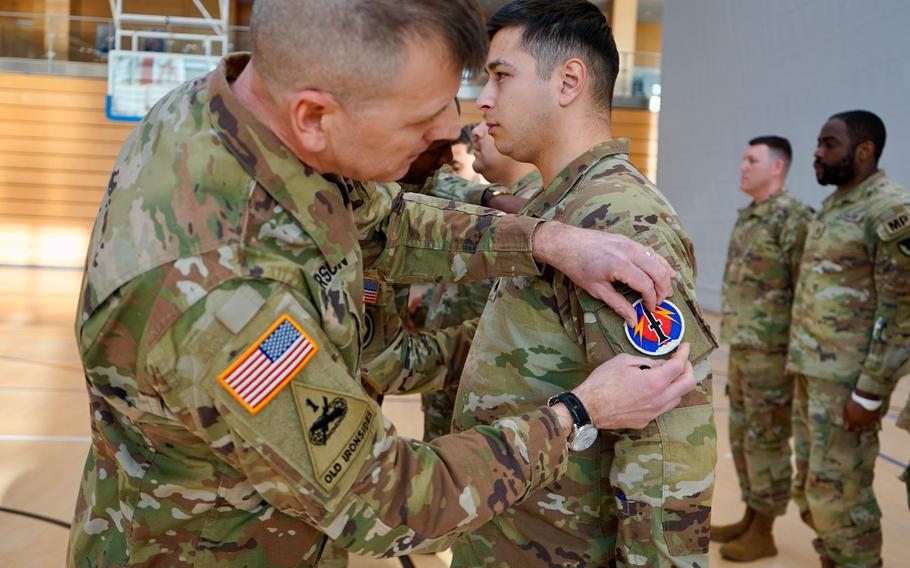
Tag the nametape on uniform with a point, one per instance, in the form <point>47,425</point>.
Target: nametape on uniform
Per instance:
<point>336,427</point>
<point>658,332</point>
<point>370,291</point>
<point>259,374</point>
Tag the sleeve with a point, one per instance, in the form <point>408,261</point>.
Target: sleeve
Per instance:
<point>793,239</point>
<point>890,345</point>
<point>446,185</point>
<point>666,469</point>
<point>275,401</point>
<point>427,239</point>
<point>400,361</point>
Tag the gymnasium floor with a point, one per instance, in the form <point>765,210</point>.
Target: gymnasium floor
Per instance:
<point>44,435</point>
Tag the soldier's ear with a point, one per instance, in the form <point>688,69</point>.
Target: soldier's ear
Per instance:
<point>865,151</point>
<point>573,77</point>
<point>308,112</point>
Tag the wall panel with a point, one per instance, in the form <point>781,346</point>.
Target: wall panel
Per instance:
<point>56,149</point>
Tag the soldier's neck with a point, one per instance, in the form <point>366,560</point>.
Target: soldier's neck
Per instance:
<point>572,139</point>
<point>859,178</point>
<point>766,194</point>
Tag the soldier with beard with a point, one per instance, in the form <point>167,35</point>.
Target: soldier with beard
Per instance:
<point>849,336</point>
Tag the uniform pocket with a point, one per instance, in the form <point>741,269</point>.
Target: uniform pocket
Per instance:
<point>689,452</point>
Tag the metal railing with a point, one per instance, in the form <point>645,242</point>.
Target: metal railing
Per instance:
<point>44,41</point>
<point>81,39</point>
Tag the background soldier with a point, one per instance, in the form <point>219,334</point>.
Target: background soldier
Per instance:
<point>903,421</point>
<point>221,315</point>
<point>637,497</point>
<point>451,305</point>
<point>849,335</point>
<point>762,267</point>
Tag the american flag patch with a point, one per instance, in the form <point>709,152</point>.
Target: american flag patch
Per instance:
<point>370,291</point>
<point>265,368</point>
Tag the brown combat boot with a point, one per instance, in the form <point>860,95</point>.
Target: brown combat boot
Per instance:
<point>757,542</point>
<point>726,533</point>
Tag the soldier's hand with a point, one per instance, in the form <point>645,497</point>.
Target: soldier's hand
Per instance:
<point>594,260</point>
<point>629,391</point>
<point>858,418</point>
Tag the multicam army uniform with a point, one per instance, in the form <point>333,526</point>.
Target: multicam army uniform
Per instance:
<point>850,330</point>
<point>637,497</point>
<point>903,421</point>
<point>760,275</point>
<point>218,259</point>
<point>451,305</point>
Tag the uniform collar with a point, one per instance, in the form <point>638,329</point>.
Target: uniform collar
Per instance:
<point>761,209</point>
<point>317,203</point>
<point>568,177</point>
<point>852,195</point>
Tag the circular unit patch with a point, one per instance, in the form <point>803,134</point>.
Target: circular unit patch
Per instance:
<point>658,332</point>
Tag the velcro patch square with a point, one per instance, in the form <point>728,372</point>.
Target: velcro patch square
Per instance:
<point>258,375</point>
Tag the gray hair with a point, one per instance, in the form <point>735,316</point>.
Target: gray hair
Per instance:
<point>349,47</point>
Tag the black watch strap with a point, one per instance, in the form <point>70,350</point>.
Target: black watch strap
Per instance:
<point>579,415</point>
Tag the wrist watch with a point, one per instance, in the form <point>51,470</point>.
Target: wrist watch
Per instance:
<point>583,431</point>
<point>489,193</point>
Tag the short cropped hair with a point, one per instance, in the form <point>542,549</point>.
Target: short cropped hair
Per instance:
<point>465,137</point>
<point>779,145</point>
<point>863,125</point>
<point>352,46</point>
<point>554,31</point>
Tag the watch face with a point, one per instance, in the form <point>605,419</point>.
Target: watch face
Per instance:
<point>583,439</point>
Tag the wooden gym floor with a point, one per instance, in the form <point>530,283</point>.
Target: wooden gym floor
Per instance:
<point>44,431</point>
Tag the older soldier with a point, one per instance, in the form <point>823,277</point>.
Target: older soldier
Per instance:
<point>849,335</point>
<point>220,321</point>
<point>453,305</point>
<point>630,497</point>
<point>762,266</point>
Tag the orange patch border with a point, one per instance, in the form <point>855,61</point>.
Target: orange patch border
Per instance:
<point>246,354</point>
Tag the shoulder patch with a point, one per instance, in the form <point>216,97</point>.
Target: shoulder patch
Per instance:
<point>904,247</point>
<point>658,332</point>
<point>370,290</point>
<point>263,370</point>
<point>336,426</point>
<point>897,223</point>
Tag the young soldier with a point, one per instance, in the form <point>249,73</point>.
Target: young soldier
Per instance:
<point>633,497</point>
<point>762,266</point>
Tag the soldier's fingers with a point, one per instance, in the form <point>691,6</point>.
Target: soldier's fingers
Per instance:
<point>641,282</point>
<point>659,271</point>
<point>617,303</point>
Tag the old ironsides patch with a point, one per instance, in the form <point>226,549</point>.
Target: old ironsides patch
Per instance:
<point>337,426</point>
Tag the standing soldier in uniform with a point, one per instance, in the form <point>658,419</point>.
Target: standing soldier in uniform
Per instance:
<point>762,267</point>
<point>631,497</point>
<point>903,421</point>
<point>452,305</point>
<point>221,315</point>
<point>849,335</point>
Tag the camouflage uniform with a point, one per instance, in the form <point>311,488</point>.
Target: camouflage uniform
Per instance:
<point>451,305</point>
<point>217,256</point>
<point>903,421</point>
<point>760,275</point>
<point>850,329</point>
<point>637,497</point>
